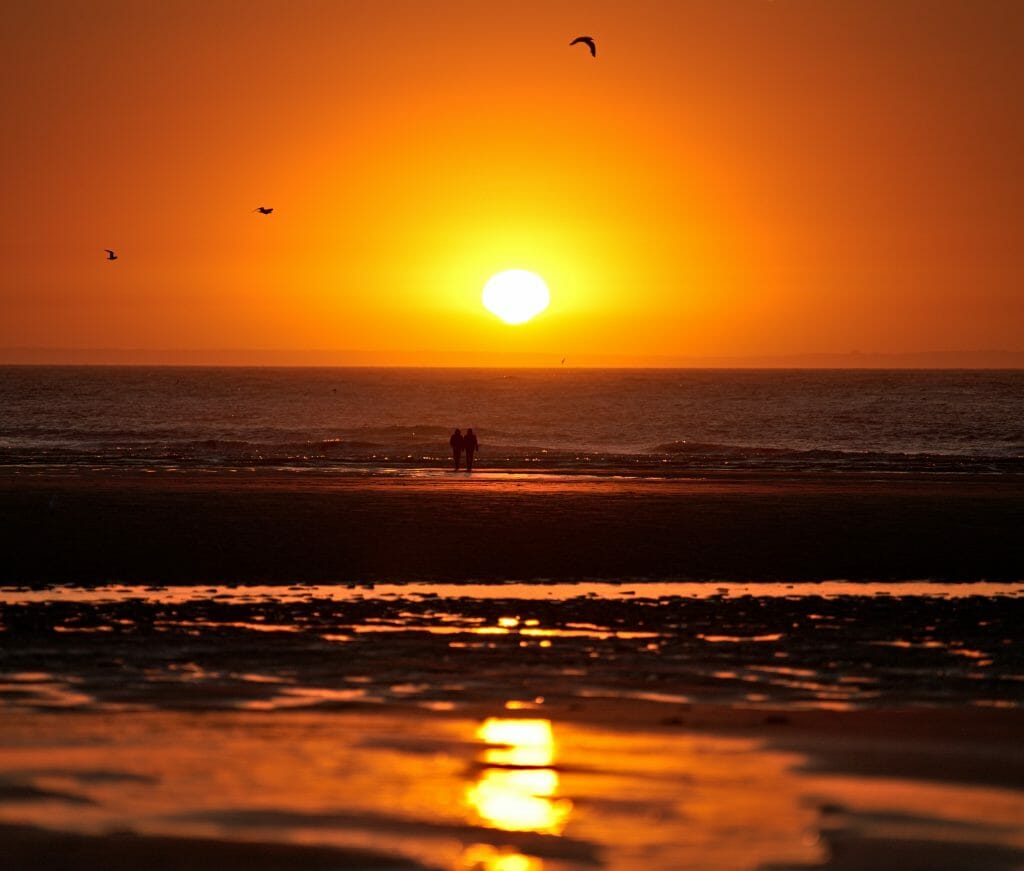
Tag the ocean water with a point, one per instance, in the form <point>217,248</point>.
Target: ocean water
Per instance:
<point>605,421</point>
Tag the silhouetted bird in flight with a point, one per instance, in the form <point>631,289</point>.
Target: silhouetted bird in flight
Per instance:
<point>264,210</point>
<point>588,41</point>
<point>110,254</point>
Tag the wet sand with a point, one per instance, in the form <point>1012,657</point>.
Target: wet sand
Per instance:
<point>629,731</point>
<point>745,723</point>
<point>795,647</point>
<point>387,790</point>
<point>277,527</point>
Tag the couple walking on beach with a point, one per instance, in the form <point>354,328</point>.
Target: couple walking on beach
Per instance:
<point>467,443</point>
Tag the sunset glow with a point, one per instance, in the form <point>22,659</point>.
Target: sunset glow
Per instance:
<point>726,179</point>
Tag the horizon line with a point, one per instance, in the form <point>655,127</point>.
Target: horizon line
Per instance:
<point>426,359</point>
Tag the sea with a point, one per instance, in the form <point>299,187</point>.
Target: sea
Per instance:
<point>397,420</point>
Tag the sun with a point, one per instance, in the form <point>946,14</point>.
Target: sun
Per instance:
<point>516,295</point>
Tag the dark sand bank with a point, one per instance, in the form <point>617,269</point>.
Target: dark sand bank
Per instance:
<point>28,847</point>
<point>279,527</point>
<point>851,850</point>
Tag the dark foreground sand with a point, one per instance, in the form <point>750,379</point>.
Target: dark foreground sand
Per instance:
<point>29,847</point>
<point>279,527</point>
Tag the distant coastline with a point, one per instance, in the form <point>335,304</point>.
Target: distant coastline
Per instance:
<point>983,359</point>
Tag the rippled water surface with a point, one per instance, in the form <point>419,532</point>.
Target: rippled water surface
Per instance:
<point>829,646</point>
<point>374,418</point>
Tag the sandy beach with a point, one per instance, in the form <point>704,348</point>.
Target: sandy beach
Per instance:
<point>265,525</point>
<point>511,671</point>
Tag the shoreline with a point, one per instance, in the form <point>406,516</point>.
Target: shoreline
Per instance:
<point>440,474</point>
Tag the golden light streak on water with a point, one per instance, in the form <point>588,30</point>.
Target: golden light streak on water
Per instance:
<point>522,794</point>
<point>484,857</point>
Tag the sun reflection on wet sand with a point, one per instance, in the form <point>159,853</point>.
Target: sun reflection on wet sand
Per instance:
<point>457,794</point>
<point>362,722</point>
<point>518,792</point>
<point>484,857</point>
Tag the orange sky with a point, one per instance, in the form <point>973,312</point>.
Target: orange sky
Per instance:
<point>728,177</point>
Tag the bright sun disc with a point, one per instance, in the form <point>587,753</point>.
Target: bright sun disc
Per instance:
<point>516,295</point>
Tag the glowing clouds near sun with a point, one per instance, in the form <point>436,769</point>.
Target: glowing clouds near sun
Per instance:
<point>516,295</point>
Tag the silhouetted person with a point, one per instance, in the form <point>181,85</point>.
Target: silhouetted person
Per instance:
<point>458,442</point>
<point>110,254</point>
<point>588,41</point>
<point>471,446</point>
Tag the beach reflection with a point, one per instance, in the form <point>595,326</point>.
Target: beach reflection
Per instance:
<point>484,857</point>
<point>456,794</point>
<point>518,790</point>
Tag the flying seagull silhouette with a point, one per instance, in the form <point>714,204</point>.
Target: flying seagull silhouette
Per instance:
<point>110,254</point>
<point>264,210</point>
<point>588,41</point>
